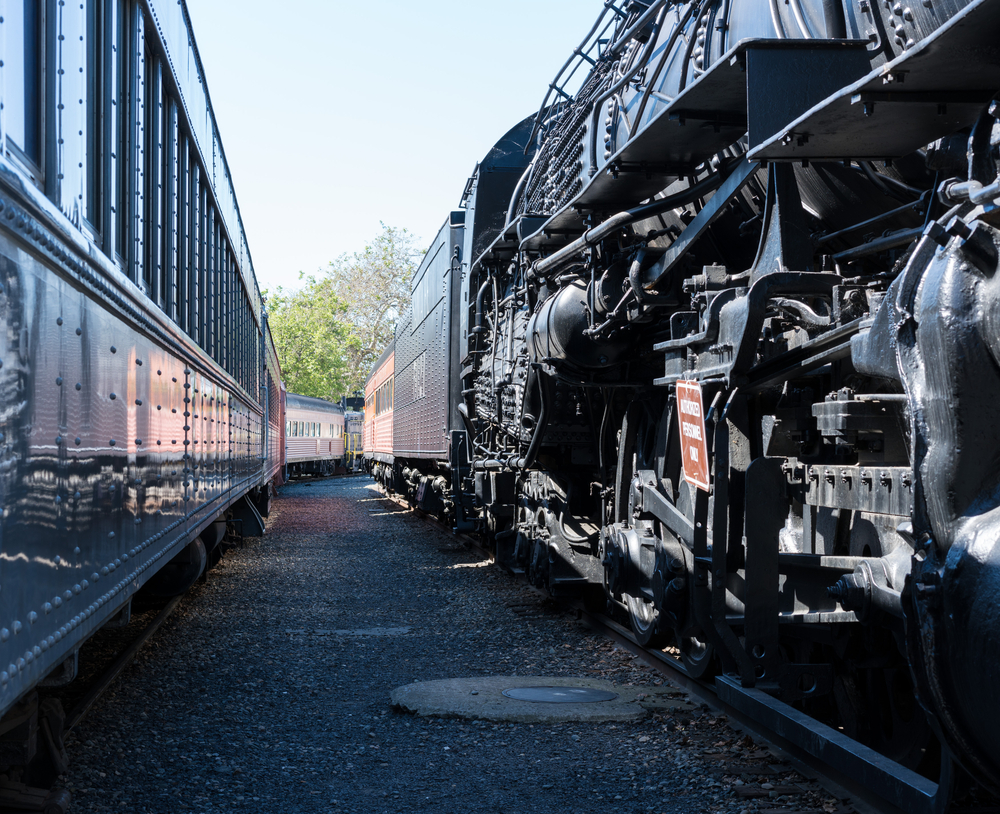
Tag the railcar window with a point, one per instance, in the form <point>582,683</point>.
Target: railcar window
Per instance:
<point>170,230</point>
<point>211,276</point>
<point>23,98</point>
<point>152,131</point>
<point>194,244</point>
<point>97,104</point>
<point>183,234</point>
<point>205,293</point>
<point>226,310</point>
<point>122,205</point>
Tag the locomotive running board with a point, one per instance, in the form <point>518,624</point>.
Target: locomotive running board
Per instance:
<point>919,96</point>
<point>858,764</point>
<point>709,115</point>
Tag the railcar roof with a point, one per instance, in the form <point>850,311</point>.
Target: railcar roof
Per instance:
<point>297,402</point>
<point>381,359</point>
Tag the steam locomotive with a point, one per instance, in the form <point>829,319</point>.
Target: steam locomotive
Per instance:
<point>713,340</point>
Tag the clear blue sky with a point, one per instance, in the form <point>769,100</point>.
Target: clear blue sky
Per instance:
<point>336,114</point>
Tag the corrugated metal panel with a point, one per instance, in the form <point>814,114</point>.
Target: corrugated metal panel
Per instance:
<point>423,369</point>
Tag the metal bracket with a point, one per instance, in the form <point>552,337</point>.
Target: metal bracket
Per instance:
<point>736,180</point>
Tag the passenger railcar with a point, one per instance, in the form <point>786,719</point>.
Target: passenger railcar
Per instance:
<point>377,429</point>
<point>728,363</point>
<point>314,436</point>
<point>141,402</point>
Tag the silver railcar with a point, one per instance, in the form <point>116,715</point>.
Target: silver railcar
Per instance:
<point>140,403</point>
<point>314,436</point>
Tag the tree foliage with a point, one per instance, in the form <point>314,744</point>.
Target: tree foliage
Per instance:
<point>309,335</point>
<point>329,333</point>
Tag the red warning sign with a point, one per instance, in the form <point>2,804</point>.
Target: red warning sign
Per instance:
<point>691,423</point>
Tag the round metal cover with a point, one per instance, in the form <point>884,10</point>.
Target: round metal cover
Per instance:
<point>560,695</point>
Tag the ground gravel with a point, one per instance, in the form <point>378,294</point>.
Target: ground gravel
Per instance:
<point>268,691</point>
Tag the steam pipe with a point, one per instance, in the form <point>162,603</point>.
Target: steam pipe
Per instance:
<point>637,26</point>
<point>779,29</point>
<point>479,304</point>
<point>540,427</point>
<point>547,265</point>
<point>800,20</point>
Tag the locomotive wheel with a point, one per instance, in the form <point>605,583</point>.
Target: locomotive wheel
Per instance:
<point>645,619</point>
<point>635,452</point>
<point>698,657</point>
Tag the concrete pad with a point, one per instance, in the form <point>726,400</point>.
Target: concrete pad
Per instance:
<point>483,699</point>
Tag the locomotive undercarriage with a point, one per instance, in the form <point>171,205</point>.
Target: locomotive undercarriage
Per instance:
<point>800,568</point>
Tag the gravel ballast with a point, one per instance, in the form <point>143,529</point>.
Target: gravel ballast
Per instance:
<point>269,688</point>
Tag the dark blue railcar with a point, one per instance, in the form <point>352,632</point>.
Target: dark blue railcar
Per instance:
<point>140,401</point>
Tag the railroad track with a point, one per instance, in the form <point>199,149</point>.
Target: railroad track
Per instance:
<point>125,657</point>
<point>109,653</point>
<point>842,765</point>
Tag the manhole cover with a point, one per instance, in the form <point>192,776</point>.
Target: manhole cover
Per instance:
<point>560,695</point>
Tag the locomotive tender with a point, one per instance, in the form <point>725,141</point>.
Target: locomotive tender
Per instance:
<point>718,345</point>
<point>141,406</point>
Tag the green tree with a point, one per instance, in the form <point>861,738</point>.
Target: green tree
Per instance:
<point>375,285</point>
<point>329,333</point>
<point>310,334</point>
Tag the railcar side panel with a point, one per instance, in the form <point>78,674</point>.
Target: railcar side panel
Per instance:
<point>115,452</point>
<point>379,395</point>
<point>423,368</point>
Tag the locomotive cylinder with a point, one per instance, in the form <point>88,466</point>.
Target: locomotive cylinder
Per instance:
<point>557,332</point>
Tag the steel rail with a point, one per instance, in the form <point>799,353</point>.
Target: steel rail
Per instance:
<point>124,659</point>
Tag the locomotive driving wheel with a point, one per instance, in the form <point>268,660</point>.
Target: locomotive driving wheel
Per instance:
<point>652,568</point>
<point>638,544</point>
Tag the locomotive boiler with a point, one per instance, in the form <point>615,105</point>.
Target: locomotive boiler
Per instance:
<point>730,360</point>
